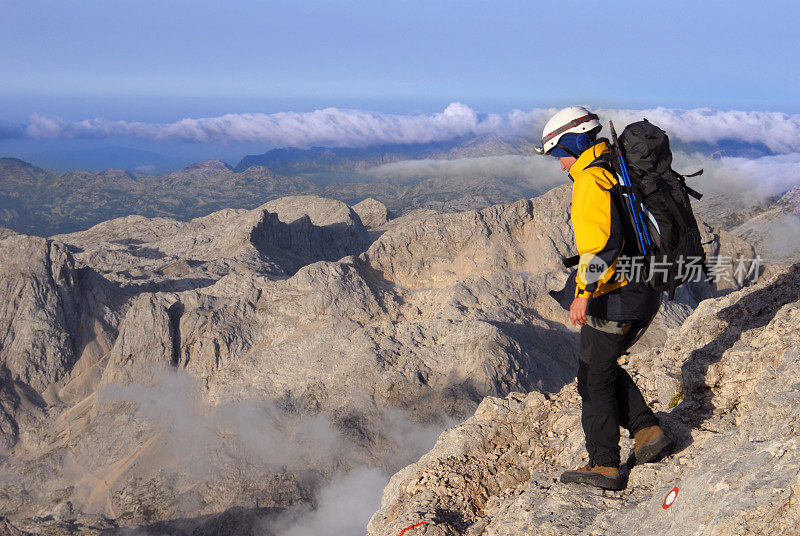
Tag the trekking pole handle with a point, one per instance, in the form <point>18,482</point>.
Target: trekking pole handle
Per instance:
<point>639,224</point>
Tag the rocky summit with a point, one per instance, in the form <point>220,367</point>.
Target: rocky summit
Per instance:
<point>216,375</point>
<point>727,387</point>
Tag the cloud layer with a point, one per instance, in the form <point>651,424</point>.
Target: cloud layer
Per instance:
<point>358,128</point>
<point>540,173</point>
<point>754,180</point>
<point>328,127</point>
<point>779,132</point>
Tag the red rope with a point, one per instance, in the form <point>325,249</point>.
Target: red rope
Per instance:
<point>411,527</point>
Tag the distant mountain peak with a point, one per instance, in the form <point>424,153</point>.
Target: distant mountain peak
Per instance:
<point>11,161</point>
<point>209,165</point>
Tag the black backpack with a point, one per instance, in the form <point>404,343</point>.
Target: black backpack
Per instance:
<point>675,235</point>
<point>673,250</point>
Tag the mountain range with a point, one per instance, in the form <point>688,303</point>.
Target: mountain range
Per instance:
<point>36,201</point>
<point>212,351</point>
<point>183,376</point>
<point>324,160</point>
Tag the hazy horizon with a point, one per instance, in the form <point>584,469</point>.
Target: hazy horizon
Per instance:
<point>85,75</point>
<point>61,143</point>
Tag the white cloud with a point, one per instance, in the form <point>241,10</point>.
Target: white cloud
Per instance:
<point>343,507</point>
<point>780,132</point>
<point>754,179</point>
<point>197,432</point>
<point>45,127</point>
<point>782,237</point>
<point>330,127</point>
<point>358,128</point>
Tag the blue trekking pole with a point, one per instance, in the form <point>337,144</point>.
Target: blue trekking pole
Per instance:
<point>641,229</point>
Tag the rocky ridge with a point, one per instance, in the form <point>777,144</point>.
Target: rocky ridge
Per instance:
<point>37,201</point>
<point>726,386</point>
<point>282,325</point>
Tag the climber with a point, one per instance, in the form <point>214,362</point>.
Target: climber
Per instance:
<point>611,311</point>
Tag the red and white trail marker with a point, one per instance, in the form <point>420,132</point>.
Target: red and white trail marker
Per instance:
<point>670,498</point>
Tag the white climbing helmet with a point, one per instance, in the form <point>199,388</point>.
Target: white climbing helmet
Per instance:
<point>573,119</point>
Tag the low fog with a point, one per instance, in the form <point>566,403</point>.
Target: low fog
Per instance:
<point>542,173</point>
<point>752,180</point>
<point>200,442</point>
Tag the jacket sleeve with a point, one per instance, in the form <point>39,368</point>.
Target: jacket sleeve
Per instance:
<point>598,232</point>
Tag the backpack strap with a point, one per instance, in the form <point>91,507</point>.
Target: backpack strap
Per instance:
<point>682,179</point>
<point>603,161</point>
<point>694,193</point>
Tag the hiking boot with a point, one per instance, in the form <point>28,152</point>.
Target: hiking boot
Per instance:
<point>652,444</point>
<point>594,475</point>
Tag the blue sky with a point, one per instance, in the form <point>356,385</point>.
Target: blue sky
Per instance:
<point>393,56</point>
<point>162,63</point>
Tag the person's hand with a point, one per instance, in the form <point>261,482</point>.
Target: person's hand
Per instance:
<point>577,311</point>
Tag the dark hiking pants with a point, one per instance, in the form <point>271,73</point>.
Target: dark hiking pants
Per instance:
<point>609,397</point>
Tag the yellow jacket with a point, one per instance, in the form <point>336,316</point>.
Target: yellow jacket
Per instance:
<point>599,235</point>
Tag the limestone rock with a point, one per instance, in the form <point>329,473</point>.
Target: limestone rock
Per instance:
<point>372,212</point>
<point>322,229</point>
<point>146,340</point>
<point>276,239</point>
<point>8,529</point>
<point>208,355</point>
<point>736,423</point>
<point>38,319</point>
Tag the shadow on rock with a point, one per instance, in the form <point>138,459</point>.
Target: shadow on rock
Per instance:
<point>547,357</point>
<point>235,521</point>
<point>752,311</point>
